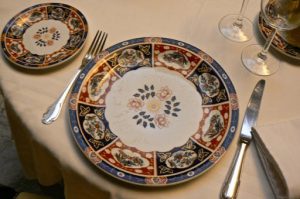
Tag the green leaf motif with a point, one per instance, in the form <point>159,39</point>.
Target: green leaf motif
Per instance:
<point>146,87</point>
<point>152,125</point>
<point>168,107</point>
<point>139,121</point>
<point>145,124</point>
<point>142,113</point>
<point>174,114</point>
<point>173,98</point>
<point>141,90</point>
<point>176,104</point>
<point>167,112</point>
<point>176,109</point>
<point>147,95</point>
<point>146,116</point>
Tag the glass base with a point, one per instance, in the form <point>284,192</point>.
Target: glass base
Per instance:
<point>256,64</point>
<point>233,32</point>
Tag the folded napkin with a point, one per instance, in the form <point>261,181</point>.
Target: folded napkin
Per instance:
<point>278,148</point>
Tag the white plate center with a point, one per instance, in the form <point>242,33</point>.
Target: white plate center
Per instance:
<point>46,37</point>
<point>153,109</point>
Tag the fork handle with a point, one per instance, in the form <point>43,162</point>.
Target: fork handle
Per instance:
<point>232,182</point>
<point>54,110</point>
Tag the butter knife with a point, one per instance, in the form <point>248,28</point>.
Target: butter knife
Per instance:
<point>231,185</point>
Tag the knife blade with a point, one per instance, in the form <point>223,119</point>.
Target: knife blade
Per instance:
<point>231,185</point>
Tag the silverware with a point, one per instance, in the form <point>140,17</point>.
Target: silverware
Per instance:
<point>96,47</point>
<point>230,187</point>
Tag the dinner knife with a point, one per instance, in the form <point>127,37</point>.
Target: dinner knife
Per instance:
<point>231,185</point>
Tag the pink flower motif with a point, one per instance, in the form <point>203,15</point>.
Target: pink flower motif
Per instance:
<point>135,104</point>
<point>36,36</point>
<point>161,121</point>
<point>52,30</point>
<point>164,93</point>
<point>50,42</point>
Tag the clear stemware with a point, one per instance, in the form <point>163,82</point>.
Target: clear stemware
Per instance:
<point>236,27</point>
<point>281,15</point>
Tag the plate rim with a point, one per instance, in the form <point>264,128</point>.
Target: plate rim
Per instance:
<point>230,133</point>
<point>60,62</point>
<point>260,23</point>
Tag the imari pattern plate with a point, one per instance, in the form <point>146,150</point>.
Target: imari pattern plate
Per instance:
<point>44,35</point>
<point>287,42</point>
<point>153,111</point>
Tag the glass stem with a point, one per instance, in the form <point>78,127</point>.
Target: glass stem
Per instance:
<point>239,21</point>
<point>264,52</point>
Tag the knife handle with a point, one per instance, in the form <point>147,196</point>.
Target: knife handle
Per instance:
<point>232,182</point>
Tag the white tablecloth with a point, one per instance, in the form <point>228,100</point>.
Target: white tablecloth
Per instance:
<point>49,153</point>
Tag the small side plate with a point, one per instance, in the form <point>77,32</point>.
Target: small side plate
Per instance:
<point>281,42</point>
<point>44,35</point>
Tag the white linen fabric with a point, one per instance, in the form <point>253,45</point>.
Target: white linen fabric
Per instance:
<point>278,148</point>
<point>49,153</point>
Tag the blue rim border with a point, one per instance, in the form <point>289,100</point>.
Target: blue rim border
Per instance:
<point>138,180</point>
<point>30,66</point>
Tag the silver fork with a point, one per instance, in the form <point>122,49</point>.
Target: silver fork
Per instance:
<point>96,47</point>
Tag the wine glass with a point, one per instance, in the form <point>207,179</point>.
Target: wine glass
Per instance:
<point>237,27</point>
<point>281,15</point>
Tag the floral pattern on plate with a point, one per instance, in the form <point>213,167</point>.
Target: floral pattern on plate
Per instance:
<point>209,84</point>
<point>212,128</point>
<point>99,84</point>
<point>174,59</point>
<point>129,159</point>
<point>178,59</point>
<point>181,158</point>
<point>149,83</point>
<point>147,106</point>
<point>153,107</point>
<point>130,58</point>
<point>44,35</point>
<point>94,127</point>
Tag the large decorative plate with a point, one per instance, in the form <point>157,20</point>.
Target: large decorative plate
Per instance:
<point>44,35</point>
<point>153,111</point>
<point>287,42</point>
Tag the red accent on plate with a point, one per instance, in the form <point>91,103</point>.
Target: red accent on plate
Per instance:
<point>107,156</point>
<point>193,59</point>
<point>215,142</point>
<point>103,68</point>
